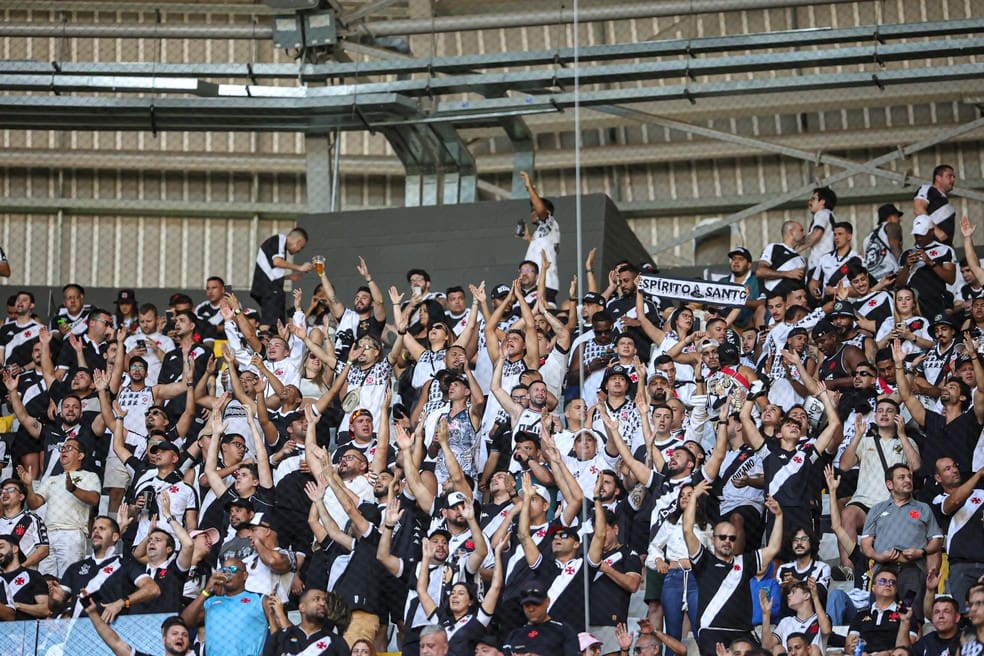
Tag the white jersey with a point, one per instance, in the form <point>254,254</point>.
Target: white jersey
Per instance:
<point>164,343</point>
<point>824,219</point>
<point>546,239</point>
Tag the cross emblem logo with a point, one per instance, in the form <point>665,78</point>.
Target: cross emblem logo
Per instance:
<point>322,644</point>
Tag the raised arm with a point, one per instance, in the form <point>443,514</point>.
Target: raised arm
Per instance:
<point>648,327</point>
<point>336,306</point>
<point>465,338</point>
<point>259,443</point>
<point>30,424</point>
<point>378,303</point>
<point>532,356</point>
<point>749,430</point>
<point>492,324</point>
<point>530,550</point>
<point>771,549</point>
<point>641,471</point>
<point>391,517</point>
<point>423,578</point>
<point>215,482</point>
<point>914,405</point>
<point>501,395</point>
<point>834,432</point>
<point>416,485</point>
<point>843,538</point>
<point>690,518</point>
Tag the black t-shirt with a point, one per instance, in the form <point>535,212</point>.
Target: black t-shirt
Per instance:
<point>724,589</point>
<point>24,586</point>
<point>609,601</point>
<point>18,341</point>
<point>878,629</point>
<point>355,575</point>
<point>932,644</point>
<point>171,580</point>
<point>551,638</point>
<point>955,440</point>
<point>293,532</point>
<point>293,640</point>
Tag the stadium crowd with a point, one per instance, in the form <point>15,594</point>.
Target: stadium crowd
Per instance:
<point>505,471</point>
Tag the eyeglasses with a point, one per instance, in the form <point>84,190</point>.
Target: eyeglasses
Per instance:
<point>729,538</point>
<point>229,569</point>
<point>238,445</point>
<point>527,270</point>
<point>138,366</point>
<point>68,447</point>
<point>864,373</point>
<point>10,489</point>
<point>802,538</point>
<point>350,456</point>
<point>520,399</point>
<point>888,582</point>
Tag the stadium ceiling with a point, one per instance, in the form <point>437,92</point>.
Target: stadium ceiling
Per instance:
<point>420,104</point>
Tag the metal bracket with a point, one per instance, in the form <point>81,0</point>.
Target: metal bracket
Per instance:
<point>878,83</point>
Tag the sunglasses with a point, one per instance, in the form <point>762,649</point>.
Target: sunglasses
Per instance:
<point>230,569</point>
<point>729,538</point>
<point>889,582</point>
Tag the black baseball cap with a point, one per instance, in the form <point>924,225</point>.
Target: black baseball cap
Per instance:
<point>741,250</point>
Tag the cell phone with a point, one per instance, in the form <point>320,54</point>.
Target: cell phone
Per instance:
<point>900,325</point>
<point>141,343</point>
<point>908,600</point>
<point>417,291</point>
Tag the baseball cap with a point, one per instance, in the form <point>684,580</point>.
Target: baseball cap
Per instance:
<point>708,342</point>
<point>126,296</point>
<point>491,640</point>
<point>179,299</point>
<point>540,491</point>
<point>943,319</point>
<point>822,328</point>
<point>798,330</point>
<point>250,312</point>
<point>741,250</point>
<point>842,309</point>
<point>586,640</point>
<point>616,370</point>
<point>564,532</point>
<point>212,533</point>
<point>533,596</point>
<point>454,498</point>
<point>165,446</point>
<point>500,291</point>
<point>441,531</point>
<point>887,210</point>
<point>922,225</point>
<point>241,503</point>
<point>260,519</point>
<point>593,297</point>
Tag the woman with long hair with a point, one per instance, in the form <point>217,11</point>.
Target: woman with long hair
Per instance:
<point>464,619</point>
<point>669,555</point>
<point>909,325</point>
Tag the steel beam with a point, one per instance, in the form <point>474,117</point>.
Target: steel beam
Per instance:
<point>397,64</point>
<point>800,192</point>
<point>538,80</point>
<point>165,208</point>
<point>218,32</point>
<point>565,14</point>
<point>133,6</point>
<point>815,157</point>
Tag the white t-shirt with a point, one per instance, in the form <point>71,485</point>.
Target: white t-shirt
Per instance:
<point>546,239</point>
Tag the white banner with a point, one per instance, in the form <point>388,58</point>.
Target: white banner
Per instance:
<point>697,291</point>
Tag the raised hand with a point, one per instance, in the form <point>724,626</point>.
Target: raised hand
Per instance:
<point>363,269</point>
<point>967,229</point>
<point>833,480</point>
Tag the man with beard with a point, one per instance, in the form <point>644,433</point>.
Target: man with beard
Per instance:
<point>463,420</point>
<point>839,359</point>
<point>163,477</point>
<point>174,635</point>
<point>804,567</point>
<point>104,575</point>
<point>781,266</point>
<point>962,503</point>
<point>592,353</point>
<point>173,364</point>
<point>254,481</point>
<point>234,618</point>
<point>148,342</point>
<point>788,462</point>
<point>522,419</point>
<point>367,316</point>
<point>499,501</point>
<point>874,449</point>
<point>842,315</point>
<point>27,591</point>
<point>951,433</point>
<point>324,616</point>
<point>169,568</point>
<point>352,469</point>
<point>723,578</point>
<point>938,364</point>
<point>87,350</point>
<point>740,260</point>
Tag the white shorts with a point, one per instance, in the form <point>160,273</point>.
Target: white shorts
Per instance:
<point>115,474</point>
